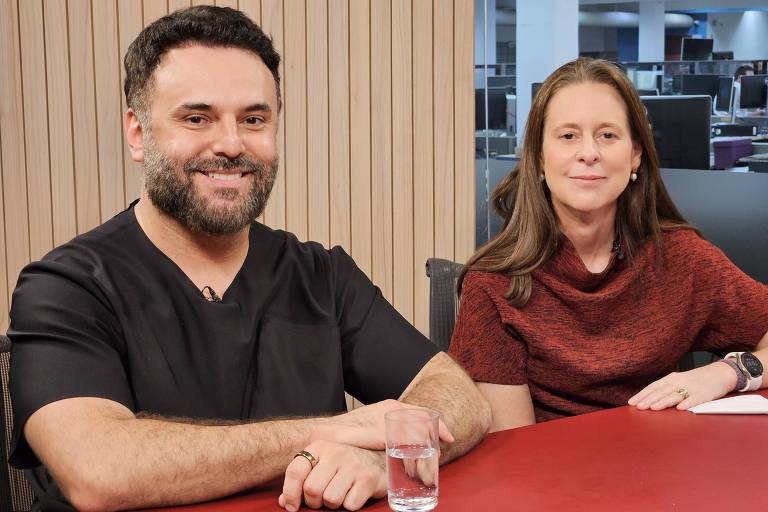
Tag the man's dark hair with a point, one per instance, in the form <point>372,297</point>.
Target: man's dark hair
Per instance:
<point>742,70</point>
<point>204,25</point>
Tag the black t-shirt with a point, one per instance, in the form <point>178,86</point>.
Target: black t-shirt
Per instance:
<point>109,315</point>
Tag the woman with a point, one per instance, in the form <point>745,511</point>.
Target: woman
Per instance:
<point>596,285</point>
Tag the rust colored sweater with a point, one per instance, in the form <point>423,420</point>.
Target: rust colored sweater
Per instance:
<point>586,341</point>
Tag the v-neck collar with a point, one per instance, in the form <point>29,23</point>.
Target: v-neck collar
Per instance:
<point>229,295</point>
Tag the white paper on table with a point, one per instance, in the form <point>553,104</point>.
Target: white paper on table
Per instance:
<point>742,404</point>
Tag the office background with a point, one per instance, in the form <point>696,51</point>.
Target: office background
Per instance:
<point>376,135</point>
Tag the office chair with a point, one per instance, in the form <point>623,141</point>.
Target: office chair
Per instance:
<point>15,493</point>
<point>443,300</point>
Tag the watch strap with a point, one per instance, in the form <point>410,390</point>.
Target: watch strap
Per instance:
<point>741,380</point>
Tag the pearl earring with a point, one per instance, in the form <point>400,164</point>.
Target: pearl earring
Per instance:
<point>633,176</point>
<point>541,177</point>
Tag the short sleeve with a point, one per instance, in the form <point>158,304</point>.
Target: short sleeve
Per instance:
<point>736,305</point>
<point>481,343</point>
<point>65,344</point>
<point>381,351</point>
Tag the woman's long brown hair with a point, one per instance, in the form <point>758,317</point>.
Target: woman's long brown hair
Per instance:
<point>531,234</point>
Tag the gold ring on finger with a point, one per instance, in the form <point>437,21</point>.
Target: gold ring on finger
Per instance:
<point>683,393</point>
<point>311,458</point>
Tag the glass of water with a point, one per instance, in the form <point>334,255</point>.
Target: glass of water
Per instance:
<point>413,458</point>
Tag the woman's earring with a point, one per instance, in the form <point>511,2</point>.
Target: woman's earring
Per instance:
<point>541,177</point>
<point>633,176</point>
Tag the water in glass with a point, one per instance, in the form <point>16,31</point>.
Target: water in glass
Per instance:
<point>412,471</point>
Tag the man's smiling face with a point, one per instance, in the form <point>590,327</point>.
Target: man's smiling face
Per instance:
<point>210,147</point>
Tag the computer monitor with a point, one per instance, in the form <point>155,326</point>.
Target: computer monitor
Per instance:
<point>677,84</point>
<point>507,81</point>
<point>722,55</point>
<point>681,130</point>
<point>700,84</point>
<point>497,108</point>
<point>696,49</point>
<point>753,91</point>
<point>730,210</point>
<point>535,86</point>
<point>724,90</point>
<point>644,79</point>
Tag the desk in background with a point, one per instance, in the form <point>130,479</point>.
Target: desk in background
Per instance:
<point>615,460</point>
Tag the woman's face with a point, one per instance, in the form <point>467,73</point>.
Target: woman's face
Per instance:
<point>588,151</point>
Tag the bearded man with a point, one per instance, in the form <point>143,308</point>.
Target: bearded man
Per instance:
<point>182,351</point>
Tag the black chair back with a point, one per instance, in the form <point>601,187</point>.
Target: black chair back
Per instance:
<point>443,300</point>
<point>15,493</point>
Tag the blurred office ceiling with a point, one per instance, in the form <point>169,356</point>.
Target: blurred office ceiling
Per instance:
<point>605,18</point>
<point>669,5</point>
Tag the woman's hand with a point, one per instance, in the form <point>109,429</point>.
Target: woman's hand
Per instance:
<point>687,389</point>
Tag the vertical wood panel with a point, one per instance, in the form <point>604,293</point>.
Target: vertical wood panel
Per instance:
<point>36,127</point>
<point>381,144</point>
<point>3,272</point>
<point>174,5</point>
<point>444,130</point>
<point>272,24</point>
<point>109,107</point>
<point>402,157</point>
<point>295,117</point>
<point>154,9</point>
<point>86,154</point>
<point>464,141</point>
<point>12,143</point>
<point>227,3</point>
<point>130,24</point>
<point>108,116</point>
<point>318,200</point>
<point>60,121</point>
<point>360,131</point>
<point>423,160</point>
<point>338,103</point>
<point>252,8</point>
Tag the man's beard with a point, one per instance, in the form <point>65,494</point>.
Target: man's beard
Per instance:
<point>171,189</point>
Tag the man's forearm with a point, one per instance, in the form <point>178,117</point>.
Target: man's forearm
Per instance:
<point>444,386</point>
<point>140,462</point>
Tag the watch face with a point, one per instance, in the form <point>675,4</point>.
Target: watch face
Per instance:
<point>752,364</point>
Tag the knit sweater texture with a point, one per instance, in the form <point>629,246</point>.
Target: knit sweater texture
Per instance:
<point>587,341</point>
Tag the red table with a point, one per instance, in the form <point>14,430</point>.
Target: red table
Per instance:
<point>616,460</point>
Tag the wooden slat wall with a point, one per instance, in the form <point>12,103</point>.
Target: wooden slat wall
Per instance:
<point>376,141</point>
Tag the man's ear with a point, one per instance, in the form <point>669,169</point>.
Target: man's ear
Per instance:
<point>134,135</point>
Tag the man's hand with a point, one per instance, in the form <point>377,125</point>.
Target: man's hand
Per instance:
<point>701,385</point>
<point>364,427</point>
<point>345,476</point>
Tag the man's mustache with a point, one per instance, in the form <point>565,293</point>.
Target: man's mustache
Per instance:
<point>241,163</point>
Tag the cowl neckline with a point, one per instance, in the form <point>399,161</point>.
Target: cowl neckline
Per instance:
<point>568,267</point>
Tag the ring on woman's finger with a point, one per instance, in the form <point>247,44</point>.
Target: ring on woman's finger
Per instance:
<point>683,393</point>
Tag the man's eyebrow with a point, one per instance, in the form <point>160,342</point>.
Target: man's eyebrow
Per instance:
<point>205,107</point>
<point>258,107</point>
<point>193,107</point>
